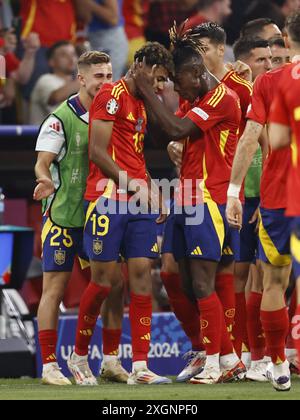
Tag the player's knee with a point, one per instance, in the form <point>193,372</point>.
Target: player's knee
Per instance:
<point>103,276</point>
<point>241,274</point>
<point>52,297</point>
<point>117,289</point>
<point>140,279</point>
<point>202,287</point>
<point>277,279</point>
<point>169,265</point>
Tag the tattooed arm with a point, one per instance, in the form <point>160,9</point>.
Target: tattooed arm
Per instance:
<point>246,150</point>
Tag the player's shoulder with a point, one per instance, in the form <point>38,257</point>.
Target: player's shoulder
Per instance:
<point>222,96</point>
<point>268,79</point>
<point>238,83</point>
<point>290,73</point>
<point>118,89</point>
<point>52,125</point>
<point>215,96</point>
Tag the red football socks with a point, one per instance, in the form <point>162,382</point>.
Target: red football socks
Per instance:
<point>185,311</point>
<point>240,333</point>
<point>276,327</point>
<point>296,330</point>
<point>48,342</point>
<point>256,335</point>
<point>111,341</point>
<point>292,311</point>
<point>140,314</point>
<point>211,313</point>
<point>225,291</point>
<point>89,311</point>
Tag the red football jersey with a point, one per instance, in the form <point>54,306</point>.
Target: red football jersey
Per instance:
<point>276,167</point>
<point>285,110</point>
<point>191,173</point>
<point>115,103</point>
<point>218,115</point>
<point>244,90</point>
<point>53,20</point>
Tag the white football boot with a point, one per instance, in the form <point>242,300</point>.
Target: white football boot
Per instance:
<point>280,376</point>
<point>195,364</point>
<point>52,376</point>
<point>79,367</point>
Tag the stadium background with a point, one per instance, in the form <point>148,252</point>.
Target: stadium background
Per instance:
<point>148,20</point>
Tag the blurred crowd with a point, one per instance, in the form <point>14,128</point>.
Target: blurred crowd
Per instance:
<point>41,41</point>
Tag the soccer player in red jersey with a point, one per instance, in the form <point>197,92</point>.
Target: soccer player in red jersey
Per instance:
<point>114,225</point>
<point>274,249</point>
<point>211,123</point>
<point>285,130</point>
<point>214,38</point>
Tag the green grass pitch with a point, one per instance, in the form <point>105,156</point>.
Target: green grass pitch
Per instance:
<point>29,389</point>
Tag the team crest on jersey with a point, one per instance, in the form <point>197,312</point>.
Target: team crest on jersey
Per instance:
<point>112,107</point>
<point>97,247</point>
<point>60,257</point>
<point>139,126</point>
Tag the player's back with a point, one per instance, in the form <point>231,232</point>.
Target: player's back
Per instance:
<point>276,167</point>
<point>286,111</point>
<point>218,115</point>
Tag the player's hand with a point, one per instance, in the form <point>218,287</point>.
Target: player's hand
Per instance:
<point>141,75</point>
<point>242,69</point>
<point>175,150</point>
<point>10,41</point>
<point>255,219</point>
<point>234,213</point>
<point>32,43</point>
<point>44,189</point>
<point>163,211</point>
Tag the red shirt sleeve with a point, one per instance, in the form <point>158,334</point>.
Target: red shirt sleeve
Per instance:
<point>106,107</point>
<point>258,111</point>
<point>206,116</point>
<point>183,109</point>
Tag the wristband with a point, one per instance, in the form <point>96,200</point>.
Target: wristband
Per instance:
<point>234,191</point>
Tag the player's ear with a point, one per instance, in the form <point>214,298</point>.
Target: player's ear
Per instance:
<point>221,50</point>
<point>287,41</point>
<point>81,79</point>
<point>196,71</point>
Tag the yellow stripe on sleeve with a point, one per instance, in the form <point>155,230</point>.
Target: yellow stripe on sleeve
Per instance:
<point>215,96</point>
<point>243,82</point>
<point>219,98</point>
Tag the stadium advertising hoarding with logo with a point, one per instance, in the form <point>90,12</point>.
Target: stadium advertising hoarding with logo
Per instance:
<point>168,344</point>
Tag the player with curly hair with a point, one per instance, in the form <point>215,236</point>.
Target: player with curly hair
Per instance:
<point>118,122</point>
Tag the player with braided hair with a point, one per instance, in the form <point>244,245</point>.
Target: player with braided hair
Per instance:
<point>209,119</point>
